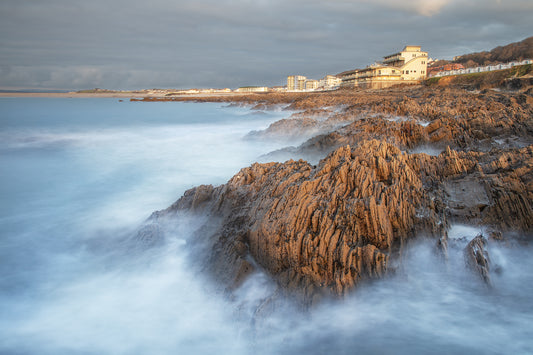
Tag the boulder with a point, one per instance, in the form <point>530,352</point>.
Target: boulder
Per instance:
<point>477,258</point>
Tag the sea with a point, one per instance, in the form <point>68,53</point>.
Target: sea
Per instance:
<point>80,176</point>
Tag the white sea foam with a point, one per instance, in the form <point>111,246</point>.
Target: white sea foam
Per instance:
<point>458,231</point>
<point>426,149</point>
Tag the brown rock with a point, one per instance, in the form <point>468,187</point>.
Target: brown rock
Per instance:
<point>477,258</point>
<point>319,229</point>
<point>325,229</point>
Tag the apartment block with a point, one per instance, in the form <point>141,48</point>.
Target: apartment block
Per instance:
<point>408,67</point>
<point>296,82</point>
<point>329,82</point>
<point>311,84</point>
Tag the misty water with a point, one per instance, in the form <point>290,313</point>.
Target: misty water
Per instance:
<point>78,177</point>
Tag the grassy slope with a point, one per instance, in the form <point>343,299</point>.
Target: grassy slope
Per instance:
<point>483,80</point>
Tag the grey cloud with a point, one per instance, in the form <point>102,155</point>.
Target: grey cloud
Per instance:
<point>229,43</point>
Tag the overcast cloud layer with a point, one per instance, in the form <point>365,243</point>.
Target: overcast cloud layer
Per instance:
<point>131,44</point>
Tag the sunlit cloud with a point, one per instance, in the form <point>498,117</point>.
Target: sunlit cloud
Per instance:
<point>420,7</point>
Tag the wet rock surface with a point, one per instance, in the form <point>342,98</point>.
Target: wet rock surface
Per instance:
<point>320,230</point>
<point>477,258</point>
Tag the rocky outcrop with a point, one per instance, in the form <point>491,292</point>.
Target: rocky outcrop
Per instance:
<point>462,120</point>
<point>409,118</point>
<point>322,230</point>
<point>288,129</point>
<point>477,258</point>
<point>303,125</point>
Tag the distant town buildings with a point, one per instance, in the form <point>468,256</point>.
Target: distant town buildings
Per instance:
<point>196,91</point>
<point>301,83</point>
<point>311,84</point>
<point>446,67</point>
<point>329,82</point>
<point>253,89</point>
<point>454,70</point>
<point>281,88</point>
<point>408,66</point>
<point>296,82</point>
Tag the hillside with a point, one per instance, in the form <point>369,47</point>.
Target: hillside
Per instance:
<point>517,78</point>
<point>512,52</point>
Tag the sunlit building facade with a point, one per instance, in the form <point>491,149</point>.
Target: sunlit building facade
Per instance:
<point>406,67</point>
<point>296,82</point>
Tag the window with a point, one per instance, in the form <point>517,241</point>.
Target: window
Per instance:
<point>422,72</point>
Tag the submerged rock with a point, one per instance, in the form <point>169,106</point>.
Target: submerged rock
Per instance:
<point>150,235</point>
<point>477,258</point>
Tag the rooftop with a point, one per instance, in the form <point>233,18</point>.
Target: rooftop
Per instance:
<point>405,49</point>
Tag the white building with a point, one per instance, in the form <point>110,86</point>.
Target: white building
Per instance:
<point>408,66</point>
<point>252,89</point>
<point>296,82</point>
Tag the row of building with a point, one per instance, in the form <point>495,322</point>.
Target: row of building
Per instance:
<point>459,71</point>
<point>446,67</point>
<point>243,89</point>
<point>301,83</point>
<point>408,66</point>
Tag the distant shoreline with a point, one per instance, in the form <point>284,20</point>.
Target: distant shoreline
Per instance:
<point>69,94</point>
<point>119,95</point>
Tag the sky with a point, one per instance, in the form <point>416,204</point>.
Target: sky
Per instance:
<point>132,44</point>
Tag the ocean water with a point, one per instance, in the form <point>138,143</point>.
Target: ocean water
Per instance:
<point>79,176</point>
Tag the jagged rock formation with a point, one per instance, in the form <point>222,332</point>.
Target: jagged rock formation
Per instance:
<point>498,188</point>
<point>304,125</point>
<point>447,118</point>
<point>477,258</point>
<point>289,128</point>
<point>322,230</point>
<point>319,229</point>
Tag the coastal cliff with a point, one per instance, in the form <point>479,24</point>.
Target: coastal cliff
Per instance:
<point>320,230</point>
